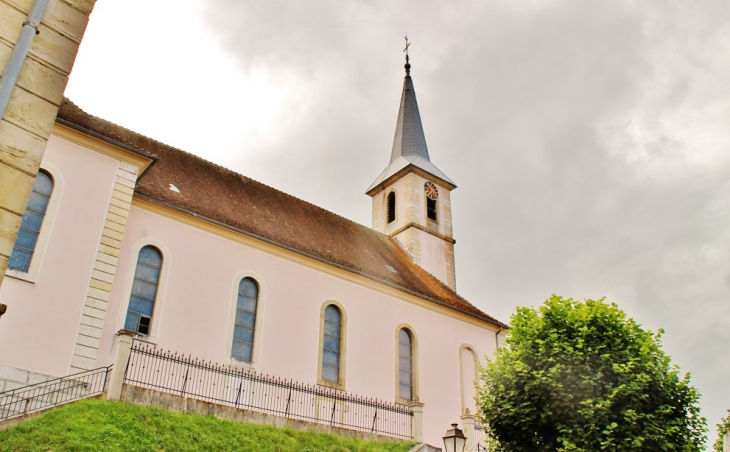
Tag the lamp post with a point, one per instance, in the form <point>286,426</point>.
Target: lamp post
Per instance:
<point>454,440</point>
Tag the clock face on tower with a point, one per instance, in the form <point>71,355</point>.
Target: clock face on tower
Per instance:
<point>431,191</point>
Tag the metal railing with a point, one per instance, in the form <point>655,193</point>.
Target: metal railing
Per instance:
<point>189,377</point>
<point>480,435</point>
<point>39,396</point>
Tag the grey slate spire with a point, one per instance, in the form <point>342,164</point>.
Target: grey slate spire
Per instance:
<point>409,144</point>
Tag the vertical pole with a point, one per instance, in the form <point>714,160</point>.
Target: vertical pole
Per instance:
<point>417,421</point>
<point>467,425</point>
<point>726,441</point>
<point>288,401</point>
<point>119,367</point>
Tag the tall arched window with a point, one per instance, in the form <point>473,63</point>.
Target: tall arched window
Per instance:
<point>30,226</point>
<point>391,207</point>
<point>144,290</point>
<point>245,323</point>
<point>405,364</point>
<point>332,344</point>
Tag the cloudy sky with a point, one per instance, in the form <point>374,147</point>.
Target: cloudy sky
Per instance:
<point>590,140</point>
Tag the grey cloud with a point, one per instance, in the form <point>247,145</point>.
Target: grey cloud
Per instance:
<point>588,139</point>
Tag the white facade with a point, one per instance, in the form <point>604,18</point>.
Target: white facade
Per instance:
<point>64,317</point>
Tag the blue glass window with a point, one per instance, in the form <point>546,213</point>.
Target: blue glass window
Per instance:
<point>405,365</point>
<point>30,226</point>
<point>331,344</point>
<point>144,290</point>
<point>245,323</point>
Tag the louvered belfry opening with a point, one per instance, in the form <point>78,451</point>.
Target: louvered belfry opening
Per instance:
<point>431,209</point>
<point>391,207</point>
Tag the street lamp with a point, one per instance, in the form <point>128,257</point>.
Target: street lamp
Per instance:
<point>454,440</point>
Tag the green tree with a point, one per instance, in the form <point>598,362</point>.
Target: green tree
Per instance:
<point>581,376</point>
<point>723,428</point>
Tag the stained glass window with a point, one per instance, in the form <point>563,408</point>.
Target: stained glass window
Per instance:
<point>245,323</point>
<point>405,365</point>
<point>144,290</point>
<point>30,226</point>
<point>331,344</point>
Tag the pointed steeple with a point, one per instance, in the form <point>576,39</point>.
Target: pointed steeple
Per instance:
<point>409,144</point>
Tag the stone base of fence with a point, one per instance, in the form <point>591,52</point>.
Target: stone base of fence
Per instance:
<point>13,377</point>
<point>157,399</point>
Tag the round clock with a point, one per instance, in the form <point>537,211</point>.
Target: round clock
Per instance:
<point>431,191</point>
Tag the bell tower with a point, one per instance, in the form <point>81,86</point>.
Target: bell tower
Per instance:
<point>412,198</point>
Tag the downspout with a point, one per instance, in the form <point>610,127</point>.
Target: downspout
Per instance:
<point>20,51</point>
<point>496,335</point>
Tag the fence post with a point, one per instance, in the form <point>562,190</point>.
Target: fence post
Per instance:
<point>417,421</point>
<point>119,367</point>
<point>467,425</point>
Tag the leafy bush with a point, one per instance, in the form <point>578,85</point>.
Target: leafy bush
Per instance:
<point>723,428</point>
<point>581,376</point>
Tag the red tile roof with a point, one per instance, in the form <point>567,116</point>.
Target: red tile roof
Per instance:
<point>233,200</point>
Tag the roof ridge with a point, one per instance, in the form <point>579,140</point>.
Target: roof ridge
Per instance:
<point>220,167</point>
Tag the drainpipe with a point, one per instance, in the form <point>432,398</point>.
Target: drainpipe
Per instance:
<point>20,51</point>
<point>496,336</point>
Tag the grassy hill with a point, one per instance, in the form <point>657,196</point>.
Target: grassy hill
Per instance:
<point>99,425</point>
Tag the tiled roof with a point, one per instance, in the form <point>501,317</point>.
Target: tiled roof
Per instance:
<point>215,193</point>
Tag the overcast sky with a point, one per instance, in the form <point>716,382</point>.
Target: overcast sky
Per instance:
<point>590,140</point>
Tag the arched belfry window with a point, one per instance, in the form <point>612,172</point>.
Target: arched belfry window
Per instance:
<point>391,207</point>
<point>245,323</point>
<point>144,290</point>
<point>431,209</point>
<point>332,344</point>
<point>30,226</point>
<point>405,364</point>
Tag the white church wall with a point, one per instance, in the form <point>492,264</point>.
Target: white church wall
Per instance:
<point>39,331</point>
<point>204,264</point>
<point>433,256</point>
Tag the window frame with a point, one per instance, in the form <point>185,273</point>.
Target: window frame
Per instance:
<point>415,388</point>
<point>258,326</point>
<point>343,346</point>
<point>161,286</point>
<point>44,234</point>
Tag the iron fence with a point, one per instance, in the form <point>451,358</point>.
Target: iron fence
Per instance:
<point>36,397</point>
<point>190,377</point>
<point>480,435</point>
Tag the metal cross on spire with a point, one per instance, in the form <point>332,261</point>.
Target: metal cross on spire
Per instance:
<point>408,64</point>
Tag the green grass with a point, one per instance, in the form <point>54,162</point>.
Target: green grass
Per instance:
<point>99,425</point>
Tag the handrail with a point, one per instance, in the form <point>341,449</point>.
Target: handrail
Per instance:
<point>40,396</point>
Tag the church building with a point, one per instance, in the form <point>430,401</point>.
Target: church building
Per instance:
<point>123,232</point>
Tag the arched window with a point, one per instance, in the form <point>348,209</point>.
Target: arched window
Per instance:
<point>405,364</point>
<point>391,207</point>
<point>30,226</point>
<point>431,209</point>
<point>144,290</point>
<point>245,323</point>
<point>469,366</point>
<point>332,344</point>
